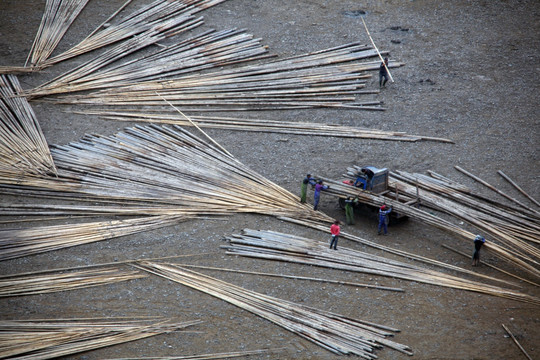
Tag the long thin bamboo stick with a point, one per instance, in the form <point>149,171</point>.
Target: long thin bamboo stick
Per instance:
<point>516,342</point>
<point>507,178</point>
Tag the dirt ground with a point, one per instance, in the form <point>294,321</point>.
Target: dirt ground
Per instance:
<point>471,75</point>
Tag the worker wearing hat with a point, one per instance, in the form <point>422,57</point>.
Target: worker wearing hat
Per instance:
<point>383,219</point>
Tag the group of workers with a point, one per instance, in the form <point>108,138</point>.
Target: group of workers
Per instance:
<point>364,180</point>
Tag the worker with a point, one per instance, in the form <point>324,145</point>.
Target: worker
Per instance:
<point>303,193</point>
<point>384,219</point>
<point>383,73</point>
<point>479,240</point>
<point>349,209</point>
<point>365,176</point>
<point>317,195</point>
<point>334,230</point>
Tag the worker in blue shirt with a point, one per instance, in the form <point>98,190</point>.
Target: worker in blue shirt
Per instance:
<point>383,219</point>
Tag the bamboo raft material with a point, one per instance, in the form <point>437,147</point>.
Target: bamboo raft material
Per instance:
<point>47,339</point>
<point>23,148</point>
<point>334,332</point>
<point>19,285</point>
<point>261,126</point>
<point>153,15</point>
<point>524,262</point>
<point>56,20</point>
<point>272,245</point>
<point>330,78</point>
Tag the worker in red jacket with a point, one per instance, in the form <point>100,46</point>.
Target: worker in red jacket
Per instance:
<point>334,230</point>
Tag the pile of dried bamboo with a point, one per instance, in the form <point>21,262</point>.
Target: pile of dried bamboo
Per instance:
<point>259,126</point>
<point>23,148</point>
<point>47,339</point>
<point>208,50</point>
<point>333,332</point>
<point>18,285</point>
<point>57,18</point>
<point>165,174</point>
<point>16,243</point>
<point>154,15</point>
<point>284,247</point>
<point>398,200</point>
<point>327,78</point>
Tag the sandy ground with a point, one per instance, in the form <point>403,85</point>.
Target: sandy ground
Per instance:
<point>471,75</point>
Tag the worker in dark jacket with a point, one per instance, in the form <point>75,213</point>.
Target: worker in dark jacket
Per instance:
<point>308,180</point>
<point>383,219</point>
<point>383,73</point>
<point>479,240</point>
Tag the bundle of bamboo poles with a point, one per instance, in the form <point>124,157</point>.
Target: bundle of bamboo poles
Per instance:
<point>155,14</point>
<point>165,174</point>
<point>259,125</point>
<point>207,50</point>
<point>512,228</point>
<point>327,78</point>
<point>334,332</point>
<point>57,18</point>
<point>16,243</point>
<point>47,339</point>
<point>19,285</point>
<point>284,247</point>
<point>399,204</point>
<point>23,148</point>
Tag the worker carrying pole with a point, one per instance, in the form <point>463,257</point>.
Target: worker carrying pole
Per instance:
<point>384,63</point>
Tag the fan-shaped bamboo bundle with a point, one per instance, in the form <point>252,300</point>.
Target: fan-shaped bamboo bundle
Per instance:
<point>47,339</point>
<point>327,78</point>
<point>147,17</point>
<point>34,240</point>
<point>205,51</point>
<point>511,228</point>
<point>278,246</point>
<point>333,332</point>
<point>258,125</point>
<point>342,190</point>
<point>57,18</point>
<point>18,285</point>
<point>23,148</point>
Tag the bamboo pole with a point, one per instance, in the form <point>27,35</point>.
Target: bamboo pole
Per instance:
<point>375,47</point>
<point>507,178</point>
<point>516,342</point>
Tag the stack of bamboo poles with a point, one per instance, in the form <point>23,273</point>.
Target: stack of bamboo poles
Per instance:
<point>23,148</point>
<point>258,125</point>
<point>153,15</point>
<point>512,228</point>
<point>333,332</point>
<point>163,175</point>
<point>18,285</point>
<point>47,339</point>
<point>16,243</point>
<point>57,18</point>
<point>284,247</point>
<point>327,78</point>
<point>207,50</point>
<point>342,190</point>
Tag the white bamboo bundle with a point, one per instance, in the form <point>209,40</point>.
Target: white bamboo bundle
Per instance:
<point>207,50</point>
<point>329,78</point>
<point>259,125</point>
<point>333,332</point>
<point>512,229</point>
<point>139,21</point>
<point>16,243</point>
<point>342,190</point>
<point>23,148</point>
<point>57,18</point>
<point>19,285</point>
<point>284,247</point>
<point>47,339</point>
